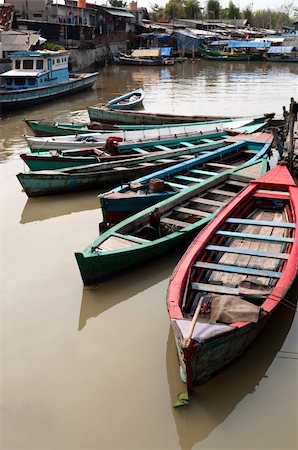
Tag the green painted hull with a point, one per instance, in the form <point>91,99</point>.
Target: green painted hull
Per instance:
<point>96,266</point>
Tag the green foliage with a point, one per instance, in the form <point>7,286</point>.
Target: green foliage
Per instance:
<point>174,9</point>
<point>51,46</point>
<point>233,11</point>
<point>192,9</point>
<point>117,3</point>
<point>213,9</point>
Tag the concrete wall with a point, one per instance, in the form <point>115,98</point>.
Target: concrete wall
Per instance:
<point>102,54</point>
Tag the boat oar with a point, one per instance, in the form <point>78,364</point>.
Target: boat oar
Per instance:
<point>187,339</point>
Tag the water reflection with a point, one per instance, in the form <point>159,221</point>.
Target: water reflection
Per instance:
<point>212,402</point>
<point>99,298</point>
<point>43,208</point>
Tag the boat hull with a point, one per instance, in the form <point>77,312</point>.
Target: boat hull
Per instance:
<point>105,115</point>
<point>12,100</point>
<point>127,101</point>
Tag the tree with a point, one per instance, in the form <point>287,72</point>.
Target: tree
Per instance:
<point>174,8</point>
<point>117,3</point>
<point>192,9</point>
<point>233,11</point>
<point>157,12</point>
<point>248,15</point>
<point>213,9</point>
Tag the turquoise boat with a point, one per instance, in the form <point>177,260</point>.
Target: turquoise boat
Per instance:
<point>127,199</point>
<point>51,160</point>
<point>101,175</point>
<point>161,228</point>
<point>139,136</point>
<point>39,76</point>
<point>45,128</point>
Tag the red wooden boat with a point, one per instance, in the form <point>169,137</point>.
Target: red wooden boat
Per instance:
<point>233,276</point>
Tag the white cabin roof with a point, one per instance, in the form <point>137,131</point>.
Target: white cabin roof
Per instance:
<point>22,73</point>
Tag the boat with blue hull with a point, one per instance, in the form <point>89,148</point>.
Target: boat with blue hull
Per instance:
<point>40,76</point>
<point>130,198</point>
<point>127,101</point>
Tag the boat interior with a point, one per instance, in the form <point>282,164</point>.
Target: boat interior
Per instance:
<point>244,258</point>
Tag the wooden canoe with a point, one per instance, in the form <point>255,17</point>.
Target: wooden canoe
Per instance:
<point>81,141</point>
<point>105,115</point>
<point>100,175</point>
<point>144,236</point>
<point>49,160</point>
<point>127,101</point>
<point>127,199</point>
<point>45,128</point>
<point>233,276</point>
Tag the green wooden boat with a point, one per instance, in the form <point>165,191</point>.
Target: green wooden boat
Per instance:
<point>45,128</point>
<point>106,174</point>
<point>169,224</point>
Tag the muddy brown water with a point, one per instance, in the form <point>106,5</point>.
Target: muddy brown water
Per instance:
<point>96,368</point>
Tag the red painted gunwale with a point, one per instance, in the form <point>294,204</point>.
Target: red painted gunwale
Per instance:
<point>277,178</point>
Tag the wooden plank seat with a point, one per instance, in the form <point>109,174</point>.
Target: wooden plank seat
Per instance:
<point>264,192</point>
<point>260,222</point>
<point>237,269</point>
<point>140,150</point>
<point>186,178</point>
<point>176,185</point>
<point>202,172</point>
<point>207,141</point>
<point>178,223</point>
<point>187,144</point>
<point>185,157</point>
<point>214,288</point>
<point>246,251</point>
<point>131,238</point>
<point>117,242</point>
<point>236,183</point>
<point>162,147</point>
<point>206,201</point>
<point>147,164</point>
<point>222,192</point>
<point>193,212</point>
<point>225,166</point>
<point>250,152</point>
<point>259,237</point>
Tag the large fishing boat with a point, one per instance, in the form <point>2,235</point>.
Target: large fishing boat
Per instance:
<point>39,76</point>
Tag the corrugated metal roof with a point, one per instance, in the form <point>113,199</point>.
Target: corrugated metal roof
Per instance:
<point>277,49</point>
<point>248,44</point>
<point>119,12</point>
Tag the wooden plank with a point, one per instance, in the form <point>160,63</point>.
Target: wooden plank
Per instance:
<point>129,237</point>
<point>207,141</point>
<point>251,152</point>
<point>214,164</point>
<point>185,157</point>
<point>162,147</point>
<point>140,150</point>
<point>187,144</point>
<point>237,269</point>
<point>202,172</point>
<point>178,223</point>
<point>262,237</point>
<point>186,178</point>
<point>115,243</point>
<point>271,194</point>
<point>247,251</point>
<point>179,186</point>
<point>207,201</point>
<point>222,192</point>
<point>236,183</point>
<point>215,288</point>
<point>267,191</point>
<point>260,222</point>
<point>193,212</point>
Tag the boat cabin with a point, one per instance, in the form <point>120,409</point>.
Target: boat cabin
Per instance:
<point>34,69</point>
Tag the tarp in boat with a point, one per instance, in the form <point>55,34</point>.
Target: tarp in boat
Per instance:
<point>187,40</point>
<point>248,44</point>
<point>277,49</point>
<point>146,53</point>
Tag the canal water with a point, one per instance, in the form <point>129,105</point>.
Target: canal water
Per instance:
<point>96,368</point>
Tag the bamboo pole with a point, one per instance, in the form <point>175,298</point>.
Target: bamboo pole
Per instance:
<point>187,339</point>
